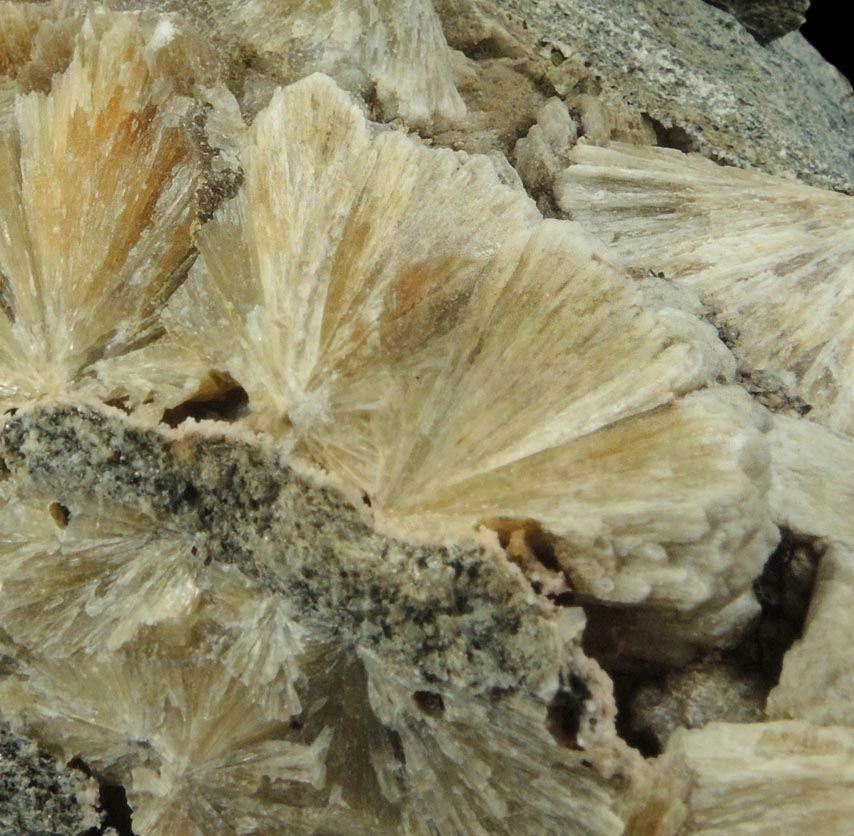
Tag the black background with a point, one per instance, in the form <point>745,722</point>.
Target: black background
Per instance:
<point>829,30</point>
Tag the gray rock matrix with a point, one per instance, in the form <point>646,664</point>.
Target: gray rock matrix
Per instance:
<point>37,796</point>
<point>767,20</point>
<point>706,82</point>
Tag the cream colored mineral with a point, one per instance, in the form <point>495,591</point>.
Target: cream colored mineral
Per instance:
<point>316,440</point>
<point>380,285</point>
<point>772,257</point>
<point>38,40</point>
<point>756,778</point>
<point>97,208</point>
<point>544,151</point>
<point>358,684</point>
<point>351,683</point>
<point>77,581</point>
<point>812,492</point>
<point>817,682</point>
<point>395,47</point>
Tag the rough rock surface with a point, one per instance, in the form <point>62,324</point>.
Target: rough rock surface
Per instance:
<point>37,796</point>
<point>767,20</point>
<point>685,68</point>
<point>692,69</point>
<point>159,617</point>
<point>692,699</point>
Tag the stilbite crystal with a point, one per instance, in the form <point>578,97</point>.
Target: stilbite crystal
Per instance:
<point>817,681</point>
<point>97,208</point>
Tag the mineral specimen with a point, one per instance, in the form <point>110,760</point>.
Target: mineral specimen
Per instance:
<point>350,685</point>
<point>330,468</point>
<point>380,349</point>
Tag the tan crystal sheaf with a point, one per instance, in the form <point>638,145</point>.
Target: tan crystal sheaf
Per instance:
<point>393,48</point>
<point>197,755</point>
<point>218,711</point>
<point>200,615</point>
<point>774,258</point>
<point>17,32</point>
<point>227,703</point>
<point>97,205</point>
<point>752,778</point>
<point>38,40</point>
<point>347,297</point>
<point>811,489</point>
<point>817,681</point>
<point>812,495</point>
<point>67,586</point>
<point>186,737</point>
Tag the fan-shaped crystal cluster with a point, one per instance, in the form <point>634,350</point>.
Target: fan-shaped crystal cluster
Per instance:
<point>98,207</point>
<point>773,258</point>
<point>348,600</point>
<point>394,48</point>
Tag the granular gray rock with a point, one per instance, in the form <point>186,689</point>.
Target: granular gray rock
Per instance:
<point>766,20</point>
<point>445,610</point>
<point>38,797</point>
<point>703,80</point>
